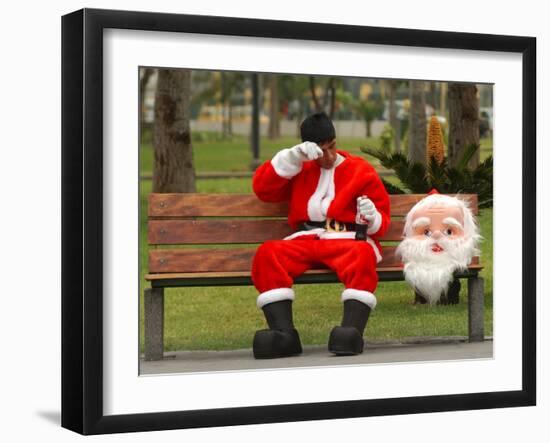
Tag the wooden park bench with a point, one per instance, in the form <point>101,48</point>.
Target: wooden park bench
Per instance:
<point>241,219</point>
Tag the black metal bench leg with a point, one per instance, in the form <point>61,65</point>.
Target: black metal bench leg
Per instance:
<point>154,323</point>
<point>476,309</point>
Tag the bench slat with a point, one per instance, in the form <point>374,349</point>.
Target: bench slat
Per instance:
<point>220,260</point>
<point>242,277</point>
<point>230,231</point>
<point>248,205</point>
<point>204,231</point>
<point>224,260</point>
<point>213,205</point>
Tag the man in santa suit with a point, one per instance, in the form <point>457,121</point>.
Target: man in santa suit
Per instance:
<point>334,198</point>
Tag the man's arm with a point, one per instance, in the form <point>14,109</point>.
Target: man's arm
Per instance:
<point>272,180</point>
<point>376,206</point>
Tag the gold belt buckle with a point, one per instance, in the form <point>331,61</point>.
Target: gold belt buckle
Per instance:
<point>332,225</point>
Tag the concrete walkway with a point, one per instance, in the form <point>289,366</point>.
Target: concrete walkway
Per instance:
<point>388,352</point>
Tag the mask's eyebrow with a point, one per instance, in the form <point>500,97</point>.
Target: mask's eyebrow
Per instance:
<point>451,221</point>
<point>421,221</point>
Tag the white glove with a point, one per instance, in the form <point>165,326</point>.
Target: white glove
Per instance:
<point>305,151</point>
<point>366,211</point>
<point>288,162</point>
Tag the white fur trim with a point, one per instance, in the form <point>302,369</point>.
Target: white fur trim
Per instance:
<point>327,199</point>
<point>274,295</point>
<point>284,164</point>
<point>317,232</point>
<point>350,235</point>
<point>320,200</point>
<point>324,235</point>
<point>376,250</point>
<point>339,160</point>
<point>314,205</point>
<point>375,225</point>
<point>365,297</point>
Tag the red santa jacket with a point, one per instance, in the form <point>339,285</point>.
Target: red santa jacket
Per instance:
<point>315,194</point>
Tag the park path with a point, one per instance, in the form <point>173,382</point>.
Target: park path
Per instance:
<point>207,361</point>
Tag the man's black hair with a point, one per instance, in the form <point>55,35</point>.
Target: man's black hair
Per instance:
<point>317,128</point>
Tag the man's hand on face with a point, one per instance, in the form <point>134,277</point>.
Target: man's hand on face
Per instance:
<point>288,162</point>
<point>329,157</point>
<point>308,151</point>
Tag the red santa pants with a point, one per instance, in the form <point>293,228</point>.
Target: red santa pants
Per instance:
<point>278,262</point>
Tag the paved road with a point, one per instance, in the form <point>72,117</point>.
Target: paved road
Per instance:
<point>207,361</point>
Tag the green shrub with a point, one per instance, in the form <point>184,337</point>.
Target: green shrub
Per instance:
<point>417,178</point>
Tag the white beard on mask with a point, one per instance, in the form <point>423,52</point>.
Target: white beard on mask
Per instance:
<point>430,273</point>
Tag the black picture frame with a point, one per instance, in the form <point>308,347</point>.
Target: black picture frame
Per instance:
<point>82,218</point>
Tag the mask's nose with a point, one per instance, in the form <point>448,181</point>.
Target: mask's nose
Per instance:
<point>436,235</point>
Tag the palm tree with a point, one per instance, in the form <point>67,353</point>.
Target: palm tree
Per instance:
<point>220,87</point>
<point>417,178</point>
<point>328,103</point>
<point>295,89</point>
<point>369,110</point>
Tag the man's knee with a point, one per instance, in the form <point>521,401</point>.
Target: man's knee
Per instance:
<point>364,251</point>
<point>266,253</point>
<point>266,249</point>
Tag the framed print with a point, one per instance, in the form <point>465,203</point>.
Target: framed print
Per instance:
<point>184,143</point>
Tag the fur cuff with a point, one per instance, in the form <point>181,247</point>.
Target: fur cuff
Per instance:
<point>274,295</point>
<point>375,226</point>
<point>365,297</point>
<point>284,165</point>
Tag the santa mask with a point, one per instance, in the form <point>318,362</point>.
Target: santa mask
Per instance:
<point>440,237</point>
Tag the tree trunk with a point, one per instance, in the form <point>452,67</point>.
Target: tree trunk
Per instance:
<point>229,118</point>
<point>463,122</point>
<point>316,103</point>
<point>224,102</point>
<point>147,73</point>
<point>173,169</point>
<point>274,123</point>
<point>432,100</point>
<point>255,128</point>
<point>394,123</point>
<point>299,118</point>
<point>332,104</point>
<point>329,97</point>
<point>417,125</point>
<point>443,98</point>
<point>368,124</point>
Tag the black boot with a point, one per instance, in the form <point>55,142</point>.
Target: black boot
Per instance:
<point>281,339</point>
<point>347,339</point>
<point>452,297</point>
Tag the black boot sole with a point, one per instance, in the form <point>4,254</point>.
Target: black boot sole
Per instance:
<point>276,343</point>
<point>345,341</point>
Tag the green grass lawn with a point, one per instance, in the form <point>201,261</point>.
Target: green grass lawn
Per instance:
<point>233,155</point>
<point>226,317</point>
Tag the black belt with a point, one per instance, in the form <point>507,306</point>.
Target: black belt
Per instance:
<point>335,226</point>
